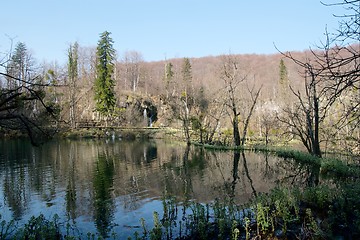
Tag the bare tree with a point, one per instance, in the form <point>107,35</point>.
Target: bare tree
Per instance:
<point>22,104</point>
<point>251,103</point>
<point>232,77</point>
<point>267,113</point>
<point>331,77</point>
<point>306,116</point>
<point>132,72</point>
<point>234,80</point>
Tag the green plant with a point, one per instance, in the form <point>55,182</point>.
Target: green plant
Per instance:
<point>235,230</point>
<point>6,228</point>
<point>262,218</point>
<point>40,228</point>
<point>143,225</point>
<point>247,228</point>
<point>311,223</point>
<point>156,232</point>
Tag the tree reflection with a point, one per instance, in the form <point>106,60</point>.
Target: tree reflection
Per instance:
<point>103,184</point>
<point>235,175</point>
<point>16,183</point>
<point>149,152</point>
<point>16,192</point>
<point>247,173</point>
<point>71,184</point>
<point>230,187</point>
<point>305,175</point>
<point>187,176</point>
<point>313,176</point>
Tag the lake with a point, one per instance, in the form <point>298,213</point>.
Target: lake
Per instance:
<point>107,186</point>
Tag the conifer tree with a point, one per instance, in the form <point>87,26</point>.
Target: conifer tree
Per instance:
<point>284,79</point>
<point>187,75</point>
<point>104,82</point>
<point>20,65</point>
<point>186,97</point>
<point>73,76</point>
<point>169,75</point>
<point>283,83</point>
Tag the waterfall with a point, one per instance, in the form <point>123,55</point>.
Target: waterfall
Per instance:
<point>146,120</point>
<point>113,135</point>
<point>150,122</point>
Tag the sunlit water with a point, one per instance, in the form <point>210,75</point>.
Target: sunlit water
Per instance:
<point>106,186</point>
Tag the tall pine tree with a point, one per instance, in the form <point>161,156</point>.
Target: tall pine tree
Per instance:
<point>20,66</point>
<point>73,76</point>
<point>104,82</point>
<point>283,83</point>
<point>186,97</point>
<point>169,75</point>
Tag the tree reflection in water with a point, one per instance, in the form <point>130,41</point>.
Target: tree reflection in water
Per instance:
<point>300,174</point>
<point>103,201</point>
<point>70,195</point>
<point>108,186</point>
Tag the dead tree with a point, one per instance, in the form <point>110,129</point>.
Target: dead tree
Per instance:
<point>231,76</point>
<point>234,79</point>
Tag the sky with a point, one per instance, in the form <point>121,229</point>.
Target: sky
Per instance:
<point>160,29</point>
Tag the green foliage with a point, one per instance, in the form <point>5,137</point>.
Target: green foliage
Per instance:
<point>6,228</point>
<point>169,73</point>
<point>299,156</point>
<point>104,82</point>
<point>195,123</point>
<point>156,232</point>
<point>186,71</point>
<point>40,228</point>
<point>336,167</point>
<point>73,62</point>
<point>284,78</point>
<point>20,65</point>
<point>294,213</point>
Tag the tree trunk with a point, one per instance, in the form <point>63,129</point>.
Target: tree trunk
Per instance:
<point>316,143</point>
<point>186,123</point>
<point>236,132</point>
<point>246,125</point>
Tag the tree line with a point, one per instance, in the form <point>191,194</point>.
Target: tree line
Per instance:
<point>312,97</point>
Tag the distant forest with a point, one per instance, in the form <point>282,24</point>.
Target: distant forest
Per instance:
<point>311,96</point>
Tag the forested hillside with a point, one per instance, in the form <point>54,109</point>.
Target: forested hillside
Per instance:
<point>310,96</point>
<point>158,94</point>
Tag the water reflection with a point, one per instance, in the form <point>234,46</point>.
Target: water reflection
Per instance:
<point>103,201</point>
<point>108,186</point>
<point>70,196</point>
<point>299,173</point>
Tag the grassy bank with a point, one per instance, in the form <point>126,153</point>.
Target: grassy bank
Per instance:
<point>122,133</point>
<point>330,167</point>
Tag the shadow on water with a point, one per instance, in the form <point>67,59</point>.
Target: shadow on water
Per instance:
<point>108,186</point>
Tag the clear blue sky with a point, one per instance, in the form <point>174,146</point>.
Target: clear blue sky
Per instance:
<point>171,28</point>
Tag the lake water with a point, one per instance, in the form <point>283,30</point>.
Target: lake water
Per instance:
<point>104,186</point>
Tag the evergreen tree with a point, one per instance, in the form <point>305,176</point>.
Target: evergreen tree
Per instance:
<point>169,75</point>
<point>186,74</point>
<point>283,83</point>
<point>20,65</point>
<point>104,82</point>
<point>73,77</point>
<point>284,79</point>
<point>186,97</point>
